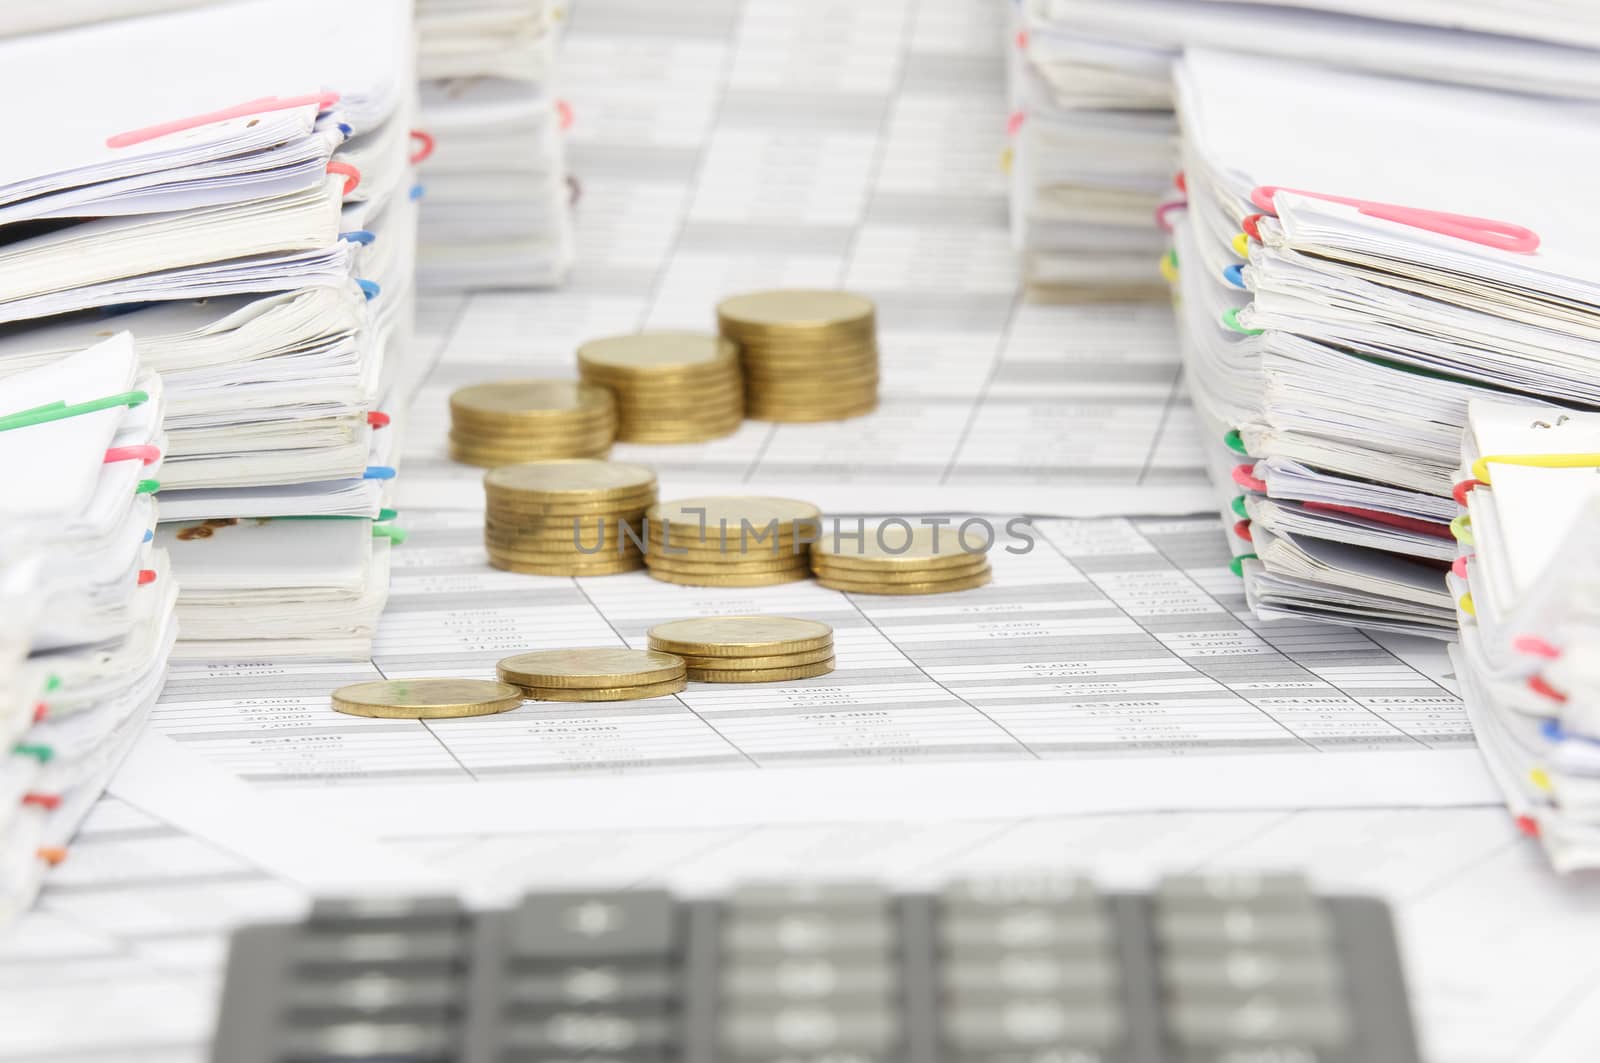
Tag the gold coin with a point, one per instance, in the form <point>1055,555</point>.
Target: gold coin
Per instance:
<point>779,413</point>
<point>740,636</point>
<point>782,660</point>
<point>663,352</point>
<point>732,579</point>
<point>890,546</point>
<point>568,530</point>
<point>572,560</point>
<point>761,675</point>
<point>590,666</point>
<point>963,583</point>
<point>545,568</point>
<point>516,508</point>
<point>426,699</point>
<point>646,437</point>
<point>733,564</point>
<point>795,308</point>
<point>688,516</point>
<point>498,458</point>
<point>633,693</point>
<point>572,481</point>
<point>899,575</point>
<point>514,402</point>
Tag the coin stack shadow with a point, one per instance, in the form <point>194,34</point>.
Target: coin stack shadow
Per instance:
<point>567,518</point>
<point>670,387</point>
<point>598,673</point>
<point>747,649</point>
<point>731,541</point>
<point>898,559</point>
<point>513,421</point>
<point>807,355</point>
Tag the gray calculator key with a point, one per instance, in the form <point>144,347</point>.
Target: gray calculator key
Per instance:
<point>1031,973</point>
<point>791,1029</point>
<point>366,1041</point>
<point>808,932</point>
<point>1031,1022</point>
<point>583,925</point>
<point>1307,971</point>
<point>373,991</point>
<point>1243,926</point>
<point>1268,889</point>
<point>379,947</point>
<point>409,911</point>
<point>839,898</point>
<point>1025,928</point>
<point>1067,892</point>
<point>579,1031</point>
<point>807,977</point>
<point>1262,1019</point>
<point>593,984</point>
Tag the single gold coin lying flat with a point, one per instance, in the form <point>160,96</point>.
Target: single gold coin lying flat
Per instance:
<point>549,568</point>
<point>593,666</point>
<point>777,414</point>
<point>735,664</point>
<point>893,546</point>
<point>657,353</point>
<point>761,675</point>
<point>518,401</point>
<point>898,575</point>
<point>740,636</point>
<point>495,459</point>
<point>633,693</point>
<point>691,517</point>
<point>571,481</point>
<point>733,563</point>
<point>426,699</point>
<point>965,583</point>
<point>795,308</point>
<point>732,579</point>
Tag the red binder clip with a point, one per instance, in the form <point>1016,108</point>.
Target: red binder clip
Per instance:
<point>1166,209</point>
<point>1545,690</point>
<point>45,801</point>
<point>144,452</point>
<point>424,146</point>
<point>1241,528</point>
<point>1460,491</point>
<point>352,176</point>
<point>378,419</point>
<point>1487,232</point>
<point>1244,476</point>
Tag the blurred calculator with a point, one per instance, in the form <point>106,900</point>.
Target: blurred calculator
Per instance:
<point>1204,969</point>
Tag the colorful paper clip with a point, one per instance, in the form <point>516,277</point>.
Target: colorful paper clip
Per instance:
<point>1236,566</point>
<point>424,148</point>
<point>1466,605</point>
<point>1244,476</point>
<point>144,452</point>
<point>1486,232</point>
<point>351,175</point>
<point>60,411</point>
<point>1534,646</point>
<point>1462,489</point>
<point>1461,530</point>
<point>1230,317</point>
<point>1167,208</point>
<point>1169,267</point>
<point>1480,468</point>
<point>324,101</point>
<point>1234,275</point>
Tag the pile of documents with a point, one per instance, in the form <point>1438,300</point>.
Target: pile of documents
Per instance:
<point>1093,152</point>
<point>247,220</point>
<point>1527,585</point>
<point>496,208</point>
<point>1333,335</point>
<point>87,600</point>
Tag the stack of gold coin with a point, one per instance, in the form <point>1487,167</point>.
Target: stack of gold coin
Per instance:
<point>732,541</point>
<point>600,673</point>
<point>671,387</point>
<point>748,649</point>
<point>897,558</point>
<point>531,420</point>
<point>565,518</point>
<point>426,699</point>
<point>808,355</point>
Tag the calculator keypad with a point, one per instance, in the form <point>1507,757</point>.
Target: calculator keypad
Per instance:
<point>1045,969</point>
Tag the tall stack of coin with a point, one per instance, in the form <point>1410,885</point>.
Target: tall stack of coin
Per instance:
<point>808,355</point>
<point>671,387</point>
<point>600,673</point>
<point>748,649</point>
<point>732,541</point>
<point>565,518</point>
<point>531,420</point>
<point>897,558</point>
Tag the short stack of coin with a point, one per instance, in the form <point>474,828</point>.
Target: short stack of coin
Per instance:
<point>514,421</point>
<point>565,518</point>
<point>897,558</point>
<point>426,699</point>
<point>732,541</point>
<point>600,673</point>
<point>748,649</point>
<point>808,355</point>
<point>671,387</point>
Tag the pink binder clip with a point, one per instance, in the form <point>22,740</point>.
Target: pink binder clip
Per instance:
<point>424,146</point>
<point>144,452</point>
<point>1487,232</point>
<point>351,175</point>
<point>1166,209</point>
<point>1244,476</point>
<point>323,100</point>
